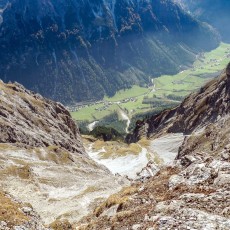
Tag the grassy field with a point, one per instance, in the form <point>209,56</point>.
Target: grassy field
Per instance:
<point>135,91</point>
<point>93,112</point>
<point>89,113</point>
<point>165,89</point>
<point>206,67</point>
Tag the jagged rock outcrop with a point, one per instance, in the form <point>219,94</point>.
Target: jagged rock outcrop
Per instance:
<point>196,111</point>
<point>29,119</point>
<point>192,193</point>
<point>81,50</point>
<point>178,197</point>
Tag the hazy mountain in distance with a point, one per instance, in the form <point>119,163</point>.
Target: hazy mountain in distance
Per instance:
<point>215,12</point>
<point>81,50</point>
<point>3,3</point>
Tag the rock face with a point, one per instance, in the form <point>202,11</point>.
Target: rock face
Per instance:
<point>196,111</point>
<point>195,196</point>
<point>192,193</point>
<point>80,50</point>
<point>29,119</point>
<point>228,70</point>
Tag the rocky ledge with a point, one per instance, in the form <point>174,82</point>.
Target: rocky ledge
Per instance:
<point>19,216</point>
<point>194,195</point>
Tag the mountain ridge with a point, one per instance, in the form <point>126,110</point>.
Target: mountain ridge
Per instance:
<point>44,165</point>
<point>30,120</point>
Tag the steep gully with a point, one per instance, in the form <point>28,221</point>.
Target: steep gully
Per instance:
<point>193,191</point>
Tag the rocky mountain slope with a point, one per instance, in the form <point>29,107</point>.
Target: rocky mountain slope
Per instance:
<point>28,119</point>
<point>191,193</point>
<point>43,164</point>
<point>80,50</point>
<point>215,13</point>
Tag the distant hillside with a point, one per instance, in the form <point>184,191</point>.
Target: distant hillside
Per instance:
<point>215,12</point>
<point>76,51</point>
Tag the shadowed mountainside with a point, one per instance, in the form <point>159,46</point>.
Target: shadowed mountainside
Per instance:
<point>81,50</point>
<point>214,12</point>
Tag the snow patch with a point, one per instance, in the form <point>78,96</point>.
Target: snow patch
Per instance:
<point>125,117</point>
<point>167,146</point>
<point>124,165</point>
<point>91,126</point>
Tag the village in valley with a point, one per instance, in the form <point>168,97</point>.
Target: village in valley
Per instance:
<point>161,92</point>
